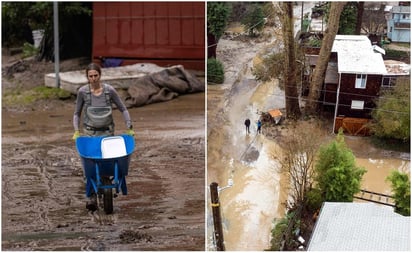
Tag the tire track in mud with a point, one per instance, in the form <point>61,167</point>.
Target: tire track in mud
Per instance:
<point>32,176</point>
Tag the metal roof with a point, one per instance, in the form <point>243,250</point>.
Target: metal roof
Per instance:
<point>361,227</point>
<point>401,9</point>
<point>356,55</point>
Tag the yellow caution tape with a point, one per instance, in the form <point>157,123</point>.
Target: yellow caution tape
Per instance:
<point>215,205</point>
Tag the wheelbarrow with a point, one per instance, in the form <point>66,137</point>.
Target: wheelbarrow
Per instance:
<point>105,161</point>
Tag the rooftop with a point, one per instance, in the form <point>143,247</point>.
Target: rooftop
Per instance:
<point>401,9</point>
<point>356,55</point>
<point>361,227</point>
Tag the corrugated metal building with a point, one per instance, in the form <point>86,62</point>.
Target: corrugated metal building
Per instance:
<point>163,33</point>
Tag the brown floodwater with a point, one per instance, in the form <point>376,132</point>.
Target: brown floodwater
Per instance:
<point>43,192</point>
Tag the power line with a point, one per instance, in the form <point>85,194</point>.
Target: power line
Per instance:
<point>344,105</point>
<point>355,94</point>
<point>343,93</point>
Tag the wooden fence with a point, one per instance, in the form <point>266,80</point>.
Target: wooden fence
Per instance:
<point>352,126</point>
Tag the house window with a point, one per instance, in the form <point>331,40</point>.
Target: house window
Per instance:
<point>360,81</point>
<point>388,81</point>
<point>357,104</point>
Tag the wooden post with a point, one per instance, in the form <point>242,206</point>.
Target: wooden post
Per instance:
<point>217,221</point>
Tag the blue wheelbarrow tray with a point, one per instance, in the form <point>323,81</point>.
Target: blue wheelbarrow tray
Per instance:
<point>96,167</point>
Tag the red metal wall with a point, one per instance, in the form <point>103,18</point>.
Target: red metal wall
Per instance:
<point>164,33</point>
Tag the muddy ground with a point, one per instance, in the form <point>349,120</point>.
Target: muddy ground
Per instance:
<point>43,192</point>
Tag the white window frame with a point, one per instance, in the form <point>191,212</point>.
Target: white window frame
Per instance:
<point>357,105</point>
<point>390,80</point>
<point>360,82</point>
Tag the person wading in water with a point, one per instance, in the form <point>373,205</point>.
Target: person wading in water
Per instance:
<point>247,124</point>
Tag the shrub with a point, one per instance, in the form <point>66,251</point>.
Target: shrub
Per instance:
<point>401,186</point>
<point>338,177</point>
<point>29,50</point>
<point>277,234</point>
<point>215,72</point>
<point>314,199</point>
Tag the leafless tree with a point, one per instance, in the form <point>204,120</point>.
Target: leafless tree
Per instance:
<point>373,19</point>
<point>299,152</point>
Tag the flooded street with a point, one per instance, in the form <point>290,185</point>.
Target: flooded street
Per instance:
<point>43,192</point>
<point>254,200</point>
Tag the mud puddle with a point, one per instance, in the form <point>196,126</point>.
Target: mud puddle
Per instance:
<point>43,197</point>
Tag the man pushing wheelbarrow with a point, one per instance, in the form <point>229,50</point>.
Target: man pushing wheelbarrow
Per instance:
<point>105,157</point>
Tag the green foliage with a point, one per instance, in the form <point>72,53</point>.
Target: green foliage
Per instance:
<point>19,19</point>
<point>390,144</point>
<point>314,199</point>
<point>401,187</point>
<point>254,20</point>
<point>217,18</point>
<point>306,24</point>
<point>281,227</point>
<point>337,176</point>
<point>271,67</point>
<point>15,29</point>
<point>315,42</point>
<point>347,21</point>
<point>277,234</point>
<point>44,92</point>
<point>348,17</point>
<point>269,12</point>
<point>397,54</point>
<point>215,71</point>
<point>25,97</point>
<point>392,113</point>
<point>29,50</point>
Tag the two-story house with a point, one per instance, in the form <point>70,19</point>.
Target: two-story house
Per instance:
<point>354,78</point>
<point>352,81</point>
<point>399,24</point>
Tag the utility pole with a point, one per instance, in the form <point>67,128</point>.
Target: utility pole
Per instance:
<point>217,220</point>
<point>301,20</point>
<point>56,42</point>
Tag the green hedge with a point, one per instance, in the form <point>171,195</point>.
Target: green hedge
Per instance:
<point>215,71</point>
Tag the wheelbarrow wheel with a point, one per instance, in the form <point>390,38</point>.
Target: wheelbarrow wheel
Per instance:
<point>107,197</point>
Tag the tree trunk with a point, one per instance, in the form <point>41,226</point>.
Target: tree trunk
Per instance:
<point>318,75</point>
<point>291,90</point>
<point>359,18</point>
<point>211,45</point>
